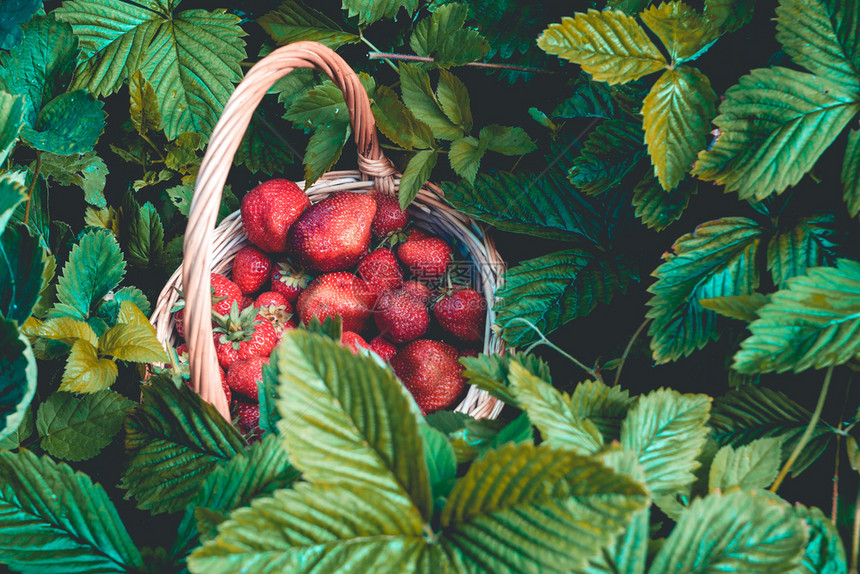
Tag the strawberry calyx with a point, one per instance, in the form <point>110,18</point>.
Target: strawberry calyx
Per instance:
<point>292,277</point>
<point>237,326</point>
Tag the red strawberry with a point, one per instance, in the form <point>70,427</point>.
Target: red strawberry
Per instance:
<point>353,341</point>
<point>245,302</point>
<point>269,210</point>
<point>333,234</point>
<point>185,374</point>
<point>288,281</point>
<point>389,217</point>
<point>381,270</point>
<point>400,316</point>
<point>274,307</point>
<point>335,294</point>
<point>428,257</point>
<point>248,415</point>
<point>251,269</point>
<point>182,350</point>
<point>419,290</point>
<point>430,370</point>
<point>383,347</point>
<point>272,299</point>
<point>224,293</point>
<point>244,334</point>
<point>469,352</point>
<point>245,375</point>
<point>462,313</point>
<point>179,321</point>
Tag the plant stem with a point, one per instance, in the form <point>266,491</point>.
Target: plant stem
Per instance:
<point>411,58</point>
<point>627,351</point>
<point>33,186</point>
<point>373,55</point>
<point>544,341</point>
<point>807,434</point>
<point>834,508</point>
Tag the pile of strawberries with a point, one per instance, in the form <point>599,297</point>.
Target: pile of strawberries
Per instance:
<point>351,255</point>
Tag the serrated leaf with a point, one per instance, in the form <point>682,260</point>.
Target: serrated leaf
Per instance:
<point>507,140</point>
<point>681,29</point>
<point>95,266</point>
<point>726,16</point>
<point>173,438</point>
<point>325,394</point>
<point>264,148</point>
<point>753,412</point>
<point>557,500</point>
<point>821,36</point>
<point>454,99</point>
<point>85,371</point>
<point>609,45</point>
<point>716,260</point>
<point>78,428</point>
<point>12,195</point>
<point>416,174</point>
<point>667,430</point>
<point>441,463</point>
<point>850,171</point>
<point>551,290</point>
<point>743,307</point>
<point>824,552</point>
<point>12,109</point>
<point>443,38</point>
<point>143,108</point>
<point>137,343</point>
<point>657,208</point>
<point>110,308</point>
<point>491,373</point>
<point>810,243</point>
<point>17,376</point>
<point>397,123</point>
<point>145,245</point>
<point>71,123</point>
<point>813,322</point>
<point>603,405</point>
<point>87,171</point>
<point>420,99</point>
<point>611,151</point>
<point>23,261</point>
<point>589,100</point>
<point>67,330</point>
<point>22,432</point>
<point>750,467</point>
<point>775,124</point>
<point>465,156</point>
<point>734,532</point>
<point>369,11</point>
<point>57,520</point>
<point>15,12</point>
<point>293,22</point>
<point>552,413</point>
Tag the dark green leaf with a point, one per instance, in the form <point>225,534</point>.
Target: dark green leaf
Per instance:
<point>15,12</point>
<point>589,100</point>
<point>657,208</point>
<point>181,154</point>
<point>490,373</point>
<point>743,307</point>
<point>517,431</point>
<point>850,171</point>
<point>603,405</point>
<point>21,433</point>
<point>145,247</point>
<point>12,109</point>
<point>23,261</point>
<point>56,520</point>
<point>443,38</point>
<point>173,439</point>
<point>507,140</point>
<point>109,309</point>
<point>17,376</point>
<point>415,175</point>
<point>293,22</point>
<point>181,196</point>
<point>454,99</point>
<point>717,259</point>
<point>441,463</point>
<point>264,149</point>
<point>143,107</point>
<point>369,11</point>
<point>268,396</point>
<point>824,552</point>
<point>71,123</point>
<point>87,171</point>
<point>810,243</point>
<point>610,152</point>
<point>465,157</point>
<point>420,99</point>
<point>397,123</point>
<point>750,467</point>
<point>12,195</point>
<point>726,16</point>
<point>681,29</point>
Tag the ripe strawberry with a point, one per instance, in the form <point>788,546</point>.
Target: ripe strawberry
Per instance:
<point>419,290</point>
<point>462,313</point>
<point>269,299</point>
<point>224,293</point>
<point>333,234</point>
<point>179,321</point>
<point>428,257</point>
<point>274,307</point>
<point>383,347</point>
<point>430,370</point>
<point>353,341</point>
<point>245,375</point>
<point>389,217</point>
<point>248,419</point>
<point>289,281</point>
<point>400,316</point>
<point>251,269</point>
<point>335,294</point>
<point>269,210</point>
<point>245,302</point>
<point>381,270</point>
<point>469,352</point>
<point>182,351</point>
<point>244,334</point>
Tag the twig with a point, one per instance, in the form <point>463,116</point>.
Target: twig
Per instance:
<point>544,341</point>
<point>834,510</point>
<point>627,351</point>
<point>807,434</point>
<point>373,55</point>
<point>392,56</point>
<point>33,186</point>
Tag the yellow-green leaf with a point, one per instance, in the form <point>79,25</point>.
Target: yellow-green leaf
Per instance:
<point>85,372</point>
<point>67,330</point>
<point>130,314</point>
<point>144,105</point>
<point>681,29</point>
<point>609,45</point>
<point>137,343</point>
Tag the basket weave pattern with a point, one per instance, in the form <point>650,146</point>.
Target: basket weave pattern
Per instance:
<point>209,249</point>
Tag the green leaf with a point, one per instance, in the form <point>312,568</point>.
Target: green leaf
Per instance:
<point>58,520</point>
<point>602,405</point>
<point>454,99</point>
<point>137,343</point>
<point>734,532</point>
<point>753,412</point>
<point>667,430</point>
<point>824,552</point>
<point>12,195</point>
<point>71,123</point>
<point>552,290</point>
<point>23,261</point>
<point>325,394</point>
<point>12,108</point>
<point>369,11</point>
<point>420,99</point>
<point>609,45</point>
<point>173,439</point>
<point>143,107</point>
<point>850,170</point>
<point>657,208</point>
<point>750,467</point>
<point>145,246</point>
<point>743,307</point>
<point>442,37</point>
<point>95,266</point>
<point>181,195</point>
<point>15,12</point>
<point>589,100</point>
<point>611,151</point>
<point>78,428</point>
<point>821,36</point>
<point>268,395</point>
<point>415,175</point>
<point>681,29</point>
<point>397,123</point>
<point>264,148</point>
<point>110,307</point>
<point>505,521</point>
<point>775,123</point>
<point>67,330</point>
<point>717,259</point>
<point>810,243</point>
<point>465,156</point>
<point>21,433</point>
<point>543,207</point>
<point>85,371</point>
<point>17,376</point>
<point>677,114</point>
<point>441,464</point>
<point>181,154</point>
<point>552,413</point>
<point>813,322</point>
<point>87,171</point>
<point>507,140</point>
<point>726,16</point>
<point>491,373</point>
<point>293,22</point>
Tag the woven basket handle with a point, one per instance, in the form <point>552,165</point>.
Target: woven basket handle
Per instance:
<point>231,127</point>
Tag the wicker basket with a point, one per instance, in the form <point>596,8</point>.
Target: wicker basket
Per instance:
<point>208,248</point>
